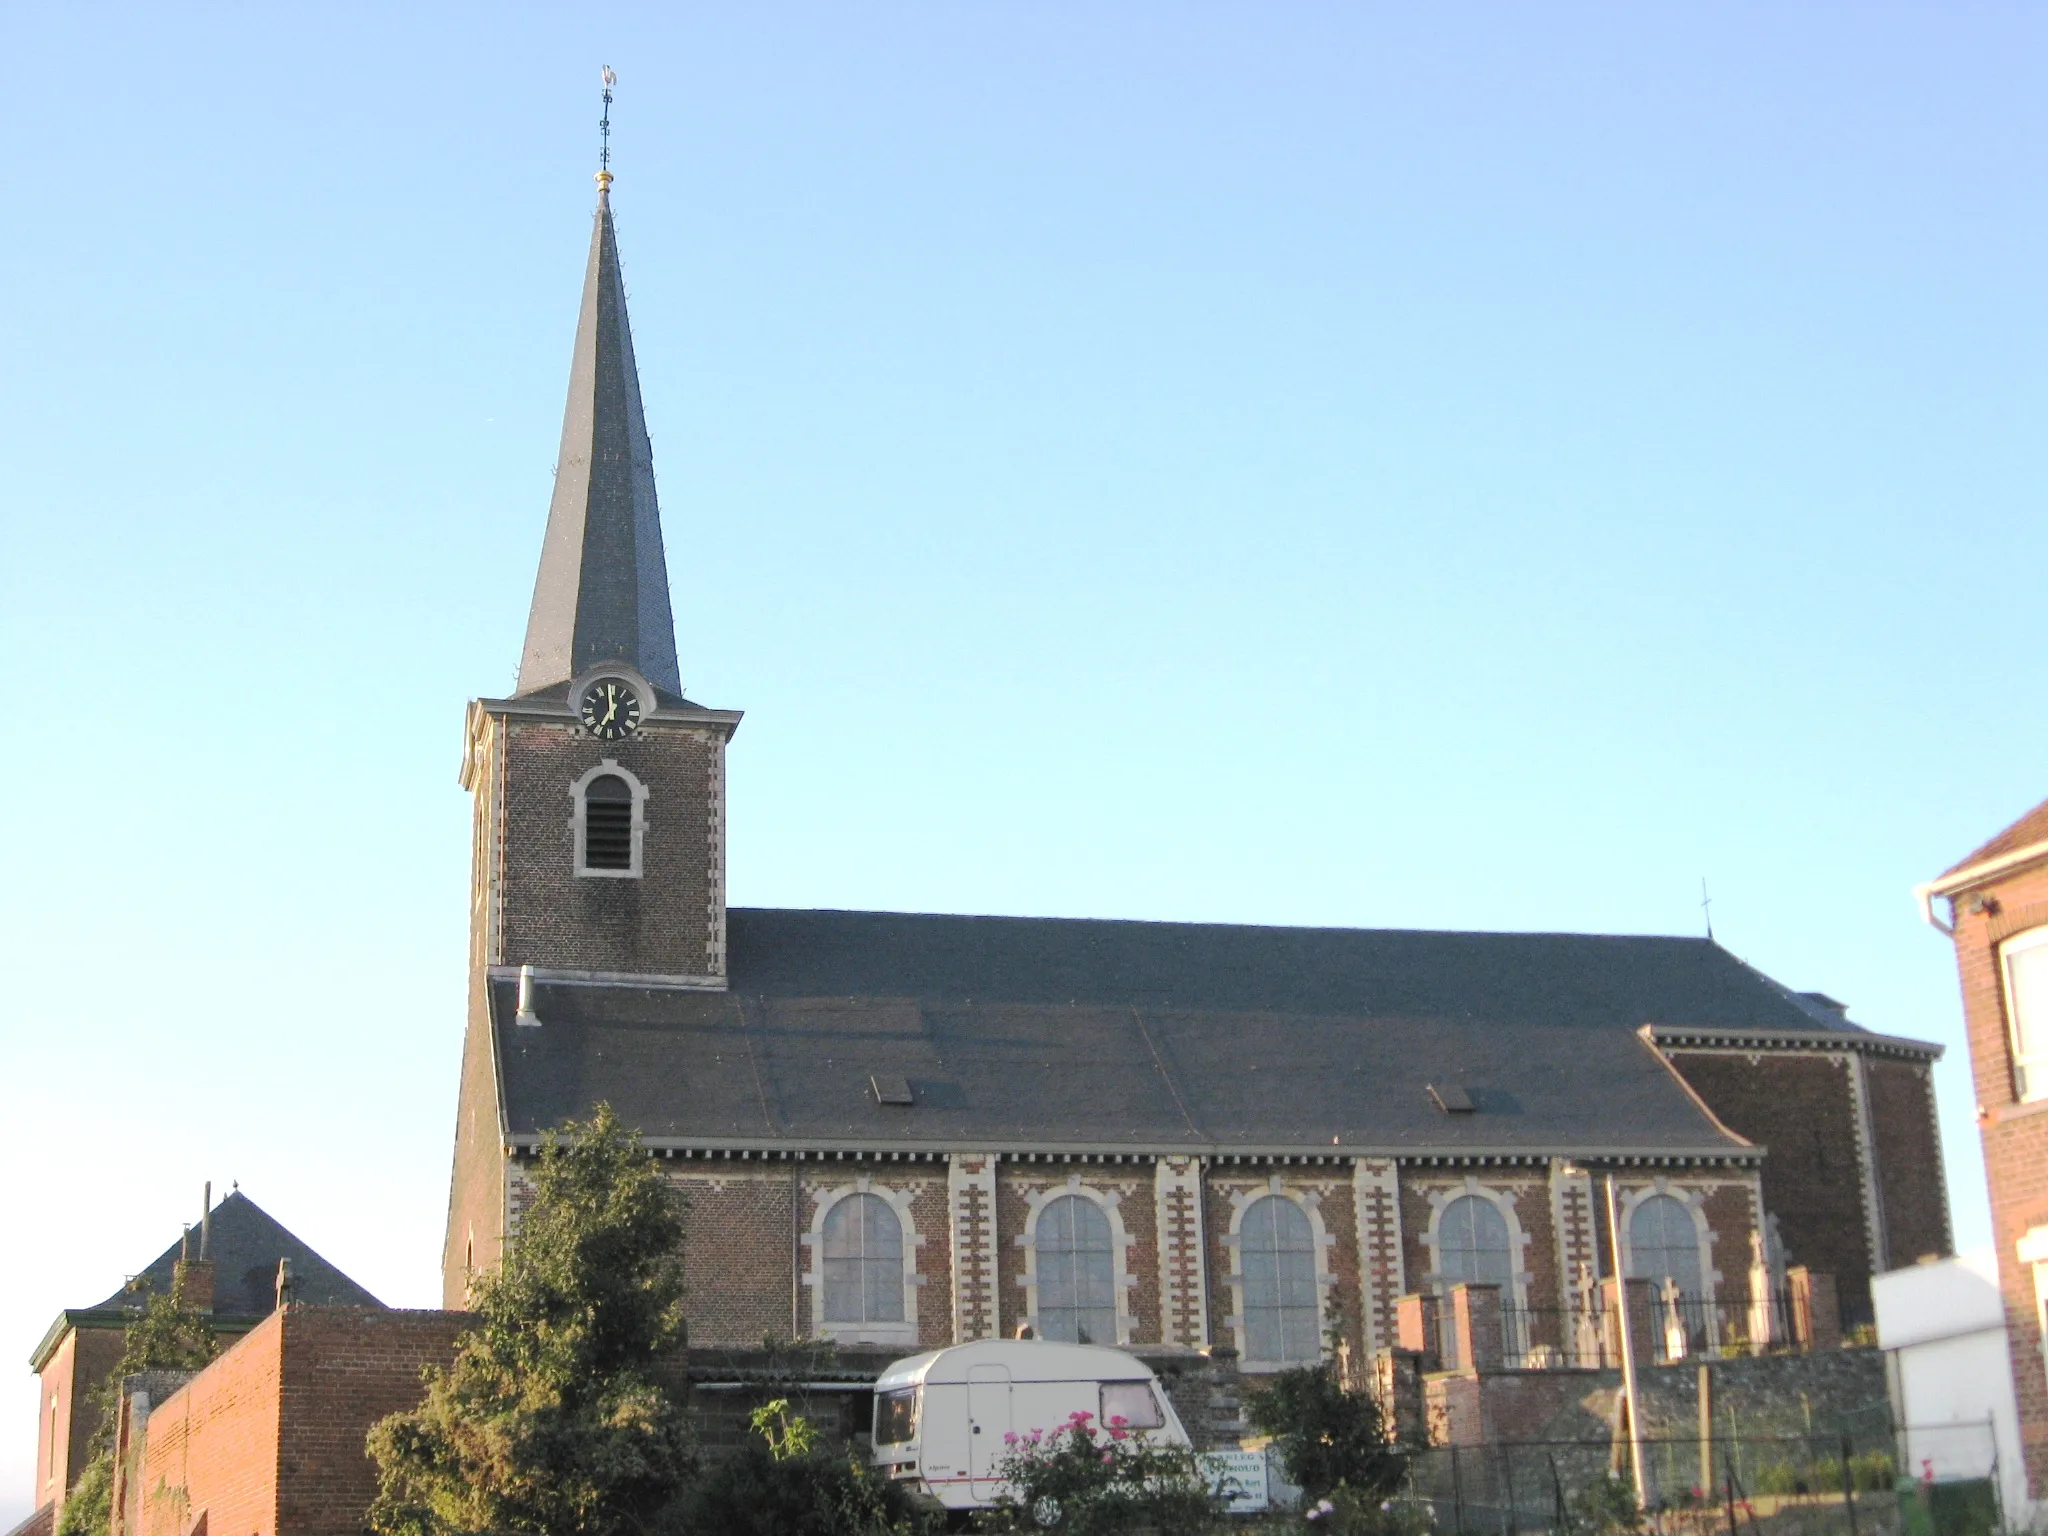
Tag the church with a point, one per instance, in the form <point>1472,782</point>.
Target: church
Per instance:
<point>902,1130</point>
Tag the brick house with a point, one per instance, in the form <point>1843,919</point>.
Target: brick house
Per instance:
<point>901,1130</point>
<point>229,1270</point>
<point>1997,916</point>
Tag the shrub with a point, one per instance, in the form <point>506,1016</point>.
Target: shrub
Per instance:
<point>1328,1438</point>
<point>781,1483</point>
<point>1086,1479</point>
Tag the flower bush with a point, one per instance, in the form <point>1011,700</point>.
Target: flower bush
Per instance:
<point>1090,1479</point>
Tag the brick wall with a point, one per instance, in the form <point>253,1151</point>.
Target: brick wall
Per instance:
<point>344,1369</point>
<point>2015,1135</point>
<point>739,1233</point>
<point>1798,1106</point>
<point>1909,1173</point>
<point>213,1446</point>
<point>668,922</point>
<point>268,1440</point>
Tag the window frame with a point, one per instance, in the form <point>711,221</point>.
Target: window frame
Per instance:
<point>607,767</point>
<point>856,1206</point>
<point>1280,1308</point>
<point>1121,1280</point>
<point>1107,1253</point>
<point>899,1201</point>
<point>2028,1070</point>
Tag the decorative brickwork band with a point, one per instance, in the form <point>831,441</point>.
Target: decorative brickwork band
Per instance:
<point>971,1196</point>
<point>1376,1195</point>
<point>1183,1280</point>
<point>1571,1218</point>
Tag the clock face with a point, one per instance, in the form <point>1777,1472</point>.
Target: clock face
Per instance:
<point>610,708</point>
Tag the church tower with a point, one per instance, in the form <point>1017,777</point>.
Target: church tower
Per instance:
<point>599,789</point>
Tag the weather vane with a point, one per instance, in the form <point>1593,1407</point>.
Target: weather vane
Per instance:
<point>604,130</point>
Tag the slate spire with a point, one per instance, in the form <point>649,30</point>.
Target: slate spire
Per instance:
<point>602,592</point>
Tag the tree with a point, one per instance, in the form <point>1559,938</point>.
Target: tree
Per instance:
<point>166,1335</point>
<point>1328,1437</point>
<point>552,1418</point>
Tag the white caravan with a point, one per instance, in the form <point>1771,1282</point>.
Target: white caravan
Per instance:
<point>940,1418</point>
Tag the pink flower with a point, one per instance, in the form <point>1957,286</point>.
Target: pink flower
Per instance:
<point>1009,1437</point>
<point>1107,1458</point>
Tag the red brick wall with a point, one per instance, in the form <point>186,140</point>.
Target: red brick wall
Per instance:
<point>1798,1106</point>
<point>214,1445</point>
<point>73,1377</point>
<point>1909,1173</point>
<point>268,1440</point>
<point>2015,1136</point>
<point>344,1369</point>
<point>736,1250</point>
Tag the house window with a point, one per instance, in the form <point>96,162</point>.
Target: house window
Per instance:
<point>1472,1245</point>
<point>1664,1244</point>
<point>1076,1272</point>
<point>2026,1007</point>
<point>863,1262</point>
<point>1277,1253</point>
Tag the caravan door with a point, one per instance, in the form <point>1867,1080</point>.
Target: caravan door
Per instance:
<point>988,1420</point>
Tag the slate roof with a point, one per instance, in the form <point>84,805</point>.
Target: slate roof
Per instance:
<point>2030,829</point>
<point>602,591</point>
<point>245,1244</point>
<point>1061,1034</point>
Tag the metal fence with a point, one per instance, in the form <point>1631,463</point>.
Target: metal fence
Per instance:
<point>1682,1327</point>
<point>1809,1485</point>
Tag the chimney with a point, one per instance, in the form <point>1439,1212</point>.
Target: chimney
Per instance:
<point>206,1222</point>
<point>526,1014</point>
<point>192,1284</point>
<point>284,1284</point>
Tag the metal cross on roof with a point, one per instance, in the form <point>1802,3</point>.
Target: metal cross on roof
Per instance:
<point>604,124</point>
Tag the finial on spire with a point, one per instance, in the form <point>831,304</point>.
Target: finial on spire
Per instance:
<point>604,133</point>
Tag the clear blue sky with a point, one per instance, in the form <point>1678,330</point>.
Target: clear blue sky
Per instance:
<point>1312,463</point>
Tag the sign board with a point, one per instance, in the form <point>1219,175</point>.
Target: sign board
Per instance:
<point>1239,1476</point>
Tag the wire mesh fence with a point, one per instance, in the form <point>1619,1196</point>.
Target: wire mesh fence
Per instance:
<point>1809,1485</point>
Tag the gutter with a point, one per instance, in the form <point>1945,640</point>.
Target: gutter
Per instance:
<point>1969,875</point>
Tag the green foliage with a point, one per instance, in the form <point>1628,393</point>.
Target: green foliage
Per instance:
<point>551,1419</point>
<point>89,1507</point>
<point>1084,1479</point>
<point>784,1484</point>
<point>166,1335</point>
<point>790,1436</point>
<point>1869,1472</point>
<point>1608,1504</point>
<point>1328,1438</point>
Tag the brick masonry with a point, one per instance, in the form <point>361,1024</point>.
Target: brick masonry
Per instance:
<point>2014,1134</point>
<point>269,1439</point>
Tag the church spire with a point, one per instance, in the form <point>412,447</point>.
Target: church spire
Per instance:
<point>602,592</point>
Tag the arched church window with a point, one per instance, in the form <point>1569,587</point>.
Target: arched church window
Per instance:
<point>1664,1244</point>
<point>1276,1249</point>
<point>1076,1272</point>
<point>863,1262</point>
<point>608,823</point>
<point>1472,1244</point>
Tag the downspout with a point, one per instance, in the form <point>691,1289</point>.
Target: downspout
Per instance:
<point>1924,894</point>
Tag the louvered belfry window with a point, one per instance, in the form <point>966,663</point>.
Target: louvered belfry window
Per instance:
<point>608,823</point>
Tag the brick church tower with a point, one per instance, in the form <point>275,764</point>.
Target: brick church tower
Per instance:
<point>599,846</point>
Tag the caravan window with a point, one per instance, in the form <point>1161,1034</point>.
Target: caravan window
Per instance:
<point>1132,1402</point>
<point>896,1417</point>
